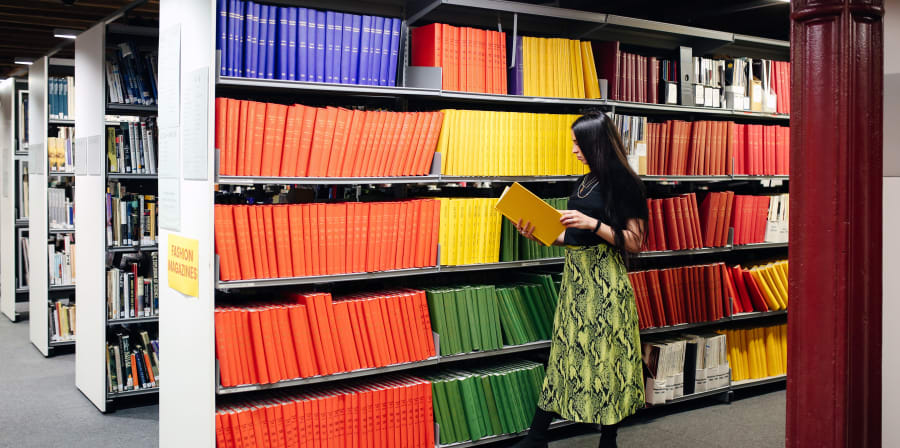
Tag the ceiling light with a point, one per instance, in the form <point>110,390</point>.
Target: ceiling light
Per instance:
<point>24,61</point>
<point>65,33</point>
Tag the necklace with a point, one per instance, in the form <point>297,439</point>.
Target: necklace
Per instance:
<point>585,189</point>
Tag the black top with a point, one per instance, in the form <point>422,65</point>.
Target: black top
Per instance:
<point>587,199</point>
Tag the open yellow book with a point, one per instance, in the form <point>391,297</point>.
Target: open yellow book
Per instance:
<point>517,203</point>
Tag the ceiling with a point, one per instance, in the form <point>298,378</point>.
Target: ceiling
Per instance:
<point>27,25</point>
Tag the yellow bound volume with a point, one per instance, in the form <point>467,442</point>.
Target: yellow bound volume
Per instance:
<point>517,203</point>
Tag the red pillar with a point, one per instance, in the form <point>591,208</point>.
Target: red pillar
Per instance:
<point>834,364</point>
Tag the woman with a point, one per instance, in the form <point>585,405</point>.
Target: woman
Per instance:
<point>595,374</point>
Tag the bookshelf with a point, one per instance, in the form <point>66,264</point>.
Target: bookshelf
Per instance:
<point>40,126</point>
<point>93,49</point>
<point>187,53</point>
<point>11,158</point>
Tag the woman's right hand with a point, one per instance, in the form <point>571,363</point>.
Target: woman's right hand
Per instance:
<point>526,229</point>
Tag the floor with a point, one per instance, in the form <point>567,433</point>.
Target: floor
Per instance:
<point>40,407</point>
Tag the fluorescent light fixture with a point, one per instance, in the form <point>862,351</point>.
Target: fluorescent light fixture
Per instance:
<point>65,33</point>
<point>783,1</point>
<point>24,61</point>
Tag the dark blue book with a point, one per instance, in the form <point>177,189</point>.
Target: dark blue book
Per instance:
<point>320,46</point>
<point>354,49</point>
<point>253,53</point>
<point>311,31</point>
<point>262,41</point>
<point>228,60</point>
<point>239,39</point>
<point>247,47</point>
<point>516,74</point>
<point>346,51</point>
<point>292,44</point>
<point>375,49</point>
<point>64,98</point>
<point>385,52</point>
<point>270,47</point>
<point>395,52</point>
<point>301,44</point>
<point>282,66</point>
<point>338,42</point>
<point>365,39</point>
<point>222,33</point>
<point>330,17</point>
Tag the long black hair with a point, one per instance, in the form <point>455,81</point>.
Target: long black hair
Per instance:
<point>623,192</point>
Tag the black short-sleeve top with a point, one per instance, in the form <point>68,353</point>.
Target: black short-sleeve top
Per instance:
<point>588,199</point>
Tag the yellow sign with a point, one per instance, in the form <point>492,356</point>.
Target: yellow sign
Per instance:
<point>183,264</point>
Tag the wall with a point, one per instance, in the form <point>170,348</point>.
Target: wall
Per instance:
<point>891,254</point>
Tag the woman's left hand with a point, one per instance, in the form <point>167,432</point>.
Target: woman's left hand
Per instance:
<point>574,219</point>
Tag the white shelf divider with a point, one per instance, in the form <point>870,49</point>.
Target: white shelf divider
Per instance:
<point>90,225</point>
<point>38,117</point>
<point>8,105</point>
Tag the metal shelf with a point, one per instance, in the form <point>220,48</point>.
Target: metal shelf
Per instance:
<point>694,396</point>
<point>131,109</point>
<point>60,231</point>
<point>22,222</point>
<point>733,318</point>
<point>53,344</point>
<point>61,288</point>
<point>508,349</point>
<point>127,249</point>
<point>675,253</point>
<point>743,384</point>
<point>441,179</point>
<point>131,393</point>
<point>132,320</point>
<point>60,174</point>
<point>755,246</point>
<point>61,122</point>
<point>501,437</point>
<point>22,290</point>
<point>757,315</point>
<point>124,176</point>
<point>321,87</point>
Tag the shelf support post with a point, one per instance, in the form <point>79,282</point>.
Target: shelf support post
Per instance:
<point>835,280</point>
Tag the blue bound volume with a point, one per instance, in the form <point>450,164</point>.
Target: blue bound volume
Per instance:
<point>312,29</point>
<point>384,62</point>
<point>320,46</point>
<point>249,41</point>
<point>228,58</point>
<point>346,51</point>
<point>270,48</point>
<point>375,49</point>
<point>364,41</point>
<point>253,53</point>
<point>222,33</point>
<point>329,45</point>
<point>262,41</point>
<point>292,44</point>
<point>282,42</point>
<point>301,44</point>
<point>338,45</point>
<point>395,52</point>
<point>354,50</point>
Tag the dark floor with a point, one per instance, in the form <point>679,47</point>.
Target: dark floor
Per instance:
<point>41,407</point>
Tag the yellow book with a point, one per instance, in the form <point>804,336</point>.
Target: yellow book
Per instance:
<point>591,83</point>
<point>493,130</point>
<point>784,349</point>
<point>773,360</point>
<point>443,139</point>
<point>528,67</point>
<point>503,164</point>
<point>577,68</point>
<point>773,303</point>
<point>772,273</point>
<point>543,75</point>
<point>444,229</point>
<point>517,203</point>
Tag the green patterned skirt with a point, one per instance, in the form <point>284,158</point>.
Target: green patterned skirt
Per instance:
<point>594,374</point>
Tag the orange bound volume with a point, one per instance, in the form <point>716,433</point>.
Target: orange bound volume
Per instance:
<point>268,149</point>
<point>350,237</point>
<point>390,332</point>
<point>410,326</point>
<point>365,350</point>
<point>258,335</point>
<point>258,139</point>
<point>381,129</point>
<point>361,236</point>
<point>414,243</point>
<point>400,152</point>
<point>729,203</point>
<point>310,251</point>
<point>291,147</point>
<point>232,124</point>
<point>282,240</point>
<point>425,153</point>
<point>283,320</point>
<point>258,237</point>
<point>280,357</point>
<point>226,368</point>
<point>401,332</point>
<point>346,336</point>
<point>340,237</point>
<point>321,336</point>
<point>321,143</point>
<point>362,151</point>
<point>378,335</point>
<point>356,333</point>
<point>242,231</point>
<point>686,222</point>
<point>268,343</point>
<point>331,325</point>
<point>242,137</point>
<point>278,144</point>
<point>351,151</point>
<point>419,134</point>
<point>239,325</point>
<point>331,117</point>
<point>330,230</point>
<point>339,142</point>
<point>375,209</point>
<point>307,134</point>
<point>307,362</point>
<point>403,240</point>
<point>222,129</point>
<point>321,238</point>
<point>294,230</point>
<point>271,255</point>
<point>384,144</point>
<point>223,247</point>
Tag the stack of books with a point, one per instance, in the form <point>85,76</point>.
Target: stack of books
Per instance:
<point>684,366</point>
<point>674,224</point>
<point>469,231</point>
<point>62,320</point>
<point>131,147</point>
<point>131,218</point>
<point>132,287</point>
<point>756,353</point>
<point>684,294</point>
<point>131,76</point>
<point>61,97</point>
<point>132,362</point>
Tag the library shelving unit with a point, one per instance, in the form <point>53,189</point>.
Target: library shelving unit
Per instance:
<point>13,200</point>
<point>189,179</point>
<point>93,49</point>
<point>40,124</point>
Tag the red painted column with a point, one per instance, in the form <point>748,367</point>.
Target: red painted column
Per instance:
<point>834,359</point>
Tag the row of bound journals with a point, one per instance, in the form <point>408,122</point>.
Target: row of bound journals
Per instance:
<point>267,241</point>
<point>269,139</point>
<point>757,352</point>
<point>703,293</point>
<point>312,335</point>
<point>273,42</point>
<point>514,246</point>
<point>676,224</point>
<point>391,411</point>
<point>684,366</point>
<point>471,60</point>
<point>704,148</point>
